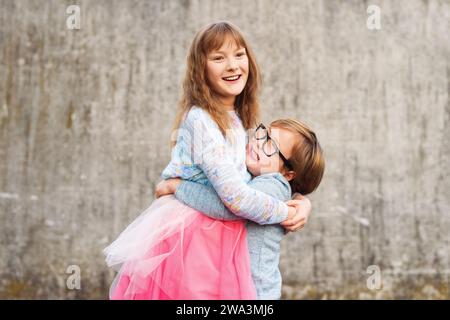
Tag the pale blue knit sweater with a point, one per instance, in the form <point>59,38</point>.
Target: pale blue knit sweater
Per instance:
<point>263,240</point>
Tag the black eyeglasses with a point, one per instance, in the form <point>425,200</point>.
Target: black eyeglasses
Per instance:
<point>269,146</point>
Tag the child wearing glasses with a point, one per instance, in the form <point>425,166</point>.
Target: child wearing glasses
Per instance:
<point>284,158</point>
<point>173,251</point>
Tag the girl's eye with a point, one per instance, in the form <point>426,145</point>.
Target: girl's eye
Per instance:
<point>240,54</point>
<point>217,58</point>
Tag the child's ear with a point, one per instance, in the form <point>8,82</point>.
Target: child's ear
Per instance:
<point>289,175</point>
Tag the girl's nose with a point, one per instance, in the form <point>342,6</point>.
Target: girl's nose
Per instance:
<point>232,65</point>
<point>259,144</point>
<point>254,143</point>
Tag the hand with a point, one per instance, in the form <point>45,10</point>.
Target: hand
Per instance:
<point>298,219</point>
<point>166,187</point>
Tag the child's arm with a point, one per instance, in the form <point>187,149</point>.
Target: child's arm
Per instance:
<point>298,221</point>
<point>205,199</point>
<point>208,145</point>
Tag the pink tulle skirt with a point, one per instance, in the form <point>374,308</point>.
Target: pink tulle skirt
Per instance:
<point>172,251</point>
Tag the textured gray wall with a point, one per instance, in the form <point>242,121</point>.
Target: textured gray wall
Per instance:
<point>85,118</point>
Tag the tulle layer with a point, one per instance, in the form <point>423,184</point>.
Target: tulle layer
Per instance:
<point>172,251</point>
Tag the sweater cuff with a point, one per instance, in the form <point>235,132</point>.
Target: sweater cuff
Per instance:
<point>182,191</point>
<point>284,214</point>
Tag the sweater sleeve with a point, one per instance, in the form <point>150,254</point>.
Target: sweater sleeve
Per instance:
<point>205,198</point>
<point>208,152</point>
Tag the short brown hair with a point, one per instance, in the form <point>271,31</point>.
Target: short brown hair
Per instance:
<point>307,157</point>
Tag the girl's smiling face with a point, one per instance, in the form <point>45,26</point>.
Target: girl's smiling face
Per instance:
<point>227,71</point>
<point>259,163</point>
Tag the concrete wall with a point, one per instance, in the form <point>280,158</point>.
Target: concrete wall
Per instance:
<point>85,118</point>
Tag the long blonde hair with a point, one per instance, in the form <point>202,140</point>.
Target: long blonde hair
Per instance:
<point>196,90</point>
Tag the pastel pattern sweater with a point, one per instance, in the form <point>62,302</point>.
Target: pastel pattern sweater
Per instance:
<point>203,155</point>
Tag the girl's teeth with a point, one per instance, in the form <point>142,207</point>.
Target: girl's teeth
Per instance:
<point>232,78</point>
